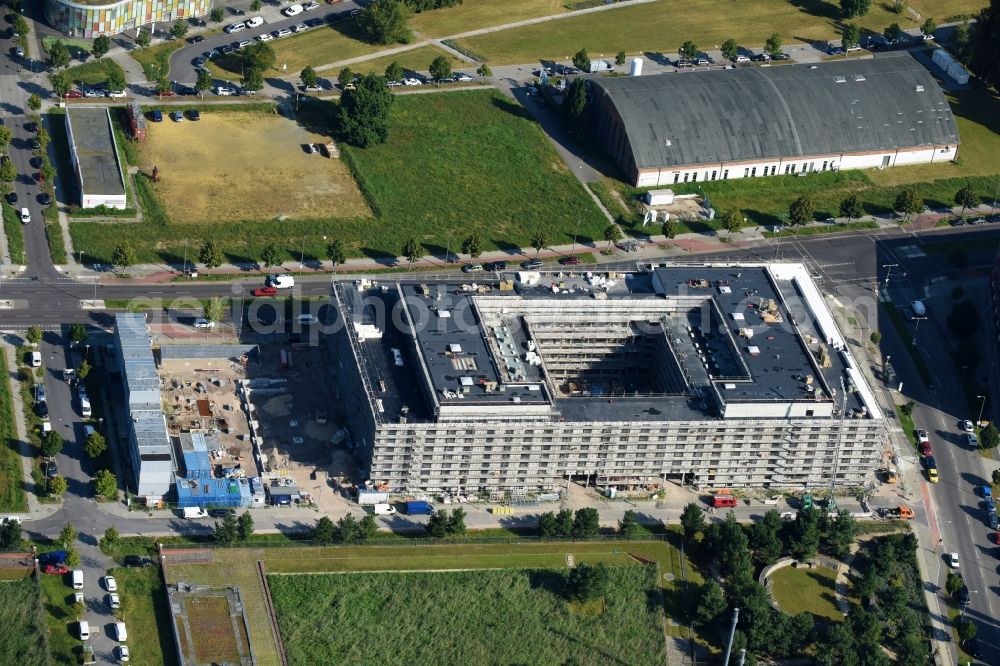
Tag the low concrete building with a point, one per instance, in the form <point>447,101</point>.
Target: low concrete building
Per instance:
<point>94,155</point>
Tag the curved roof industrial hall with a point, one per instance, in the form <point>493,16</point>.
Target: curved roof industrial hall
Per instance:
<point>888,102</point>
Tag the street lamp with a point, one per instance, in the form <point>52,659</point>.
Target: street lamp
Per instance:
<point>982,405</point>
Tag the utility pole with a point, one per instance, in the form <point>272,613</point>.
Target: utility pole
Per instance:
<point>743,656</point>
<point>888,273</point>
<point>982,405</point>
<point>576,234</point>
<point>732,633</point>
<point>447,251</point>
<point>185,256</point>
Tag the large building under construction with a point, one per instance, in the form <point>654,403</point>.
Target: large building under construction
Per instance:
<point>712,375</point>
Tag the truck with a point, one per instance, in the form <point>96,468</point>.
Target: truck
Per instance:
<point>194,512</point>
<point>901,512</point>
<point>419,507</point>
<point>723,498</point>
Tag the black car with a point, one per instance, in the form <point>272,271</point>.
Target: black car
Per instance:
<point>973,648</point>
<point>221,513</point>
<point>993,218</point>
<point>44,198</point>
<point>194,114</point>
<point>42,409</point>
<point>196,39</point>
<point>963,595</point>
<point>35,145</point>
<point>51,470</point>
<point>975,221</point>
<point>781,56</point>
<point>957,222</point>
<point>760,57</point>
<point>137,562</point>
<point>12,198</point>
<point>495,266</point>
<point>31,127</point>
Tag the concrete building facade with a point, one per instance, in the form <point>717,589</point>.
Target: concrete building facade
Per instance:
<point>93,18</point>
<point>714,376</point>
<point>752,122</point>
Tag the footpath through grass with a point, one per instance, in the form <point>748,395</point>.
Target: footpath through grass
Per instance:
<point>477,617</point>
<point>12,497</point>
<point>22,639</point>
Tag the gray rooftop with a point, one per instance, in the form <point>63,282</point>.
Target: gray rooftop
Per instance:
<point>752,113</point>
<point>137,354</point>
<point>199,351</point>
<point>95,149</point>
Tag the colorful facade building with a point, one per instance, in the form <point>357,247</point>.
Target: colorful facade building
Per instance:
<point>92,18</point>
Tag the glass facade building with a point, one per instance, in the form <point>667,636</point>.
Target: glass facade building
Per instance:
<point>92,19</point>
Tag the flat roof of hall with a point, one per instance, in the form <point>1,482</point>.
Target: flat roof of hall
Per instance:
<point>94,145</point>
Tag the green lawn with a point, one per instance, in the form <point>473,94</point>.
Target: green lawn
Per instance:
<point>475,14</point>
<point>11,473</point>
<point>22,640</point>
<point>57,597</point>
<point>462,161</point>
<point>478,617</point>
<point>661,27</point>
<point>146,612</point>
<point>155,60</point>
<point>806,591</point>
<point>15,233</point>
<point>93,72</point>
<point>418,60</point>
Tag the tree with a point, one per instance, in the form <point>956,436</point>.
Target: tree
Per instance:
<point>77,333</point>
<point>34,334</point>
<point>966,198</point>
<point>711,602</point>
<point>456,523</point>
<point>805,534</point>
<point>96,445</point>
<point>214,309</point>
<point>101,46</point>
<point>587,582</point>
<point>163,85</point>
<point>67,536</point>
<point>345,76</point>
<point>440,68</point>
<point>437,526</point>
<point>325,531</point>
<point>363,115</point>
<point>629,525</point>
<point>60,83</point>
<point>984,45</point>
<point>928,27</point>
<point>840,535</point>
<point>116,80</point>
<point>368,526</point>
<point>765,538</point>
<point>966,630</point>
<point>21,26</point>
<point>123,255</point>
<point>109,540</point>
<point>8,172</point>
<point>855,8</point>
<point>52,443</point>
<point>143,38</point>
<point>620,58</point>
<point>801,210</point>
<point>564,523</point>
<point>730,49</point>
<point>5,136</point>
<point>106,485</point>
<point>989,437</point>
<point>547,525</point>
<point>484,71</point>
<point>211,255</point>
<point>217,15</point>
<point>72,557</point>
<point>669,228</point>
<point>996,476</point>
<point>734,553</point>
<point>83,370</point>
<point>773,45</point>
<point>875,337</point>
<point>851,208</point>
<point>908,203</point>
<point>335,252</point>
<point>42,136</point>
<point>953,583</point>
<point>227,531</point>
<point>271,255</point>
<point>386,21</point>
<point>179,29</point>
<point>963,320</point>
<point>612,233</point>
<point>893,32</point>
<point>10,534</point>
<point>258,55</point>
<point>851,36</point>
<point>394,72</point>
<point>59,54</point>
<point>255,5</point>
<point>309,77</point>
<point>473,245</point>
<point>539,240</point>
<point>586,522</point>
<point>34,102</point>
<point>410,250</point>
<point>732,221</point>
<point>252,80</point>
<point>574,104</point>
<point>204,82</point>
<point>244,526</point>
<point>689,51</point>
<point>692,521</point>
<point>581,60</point>
<point>57,486</point>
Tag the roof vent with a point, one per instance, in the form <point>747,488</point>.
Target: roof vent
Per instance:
<point>859,77</point>
<point>840,79</point>
<point>919,89</point>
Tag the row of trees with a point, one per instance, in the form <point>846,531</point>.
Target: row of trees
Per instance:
<point>346,530</point>
<point>212,256</point>
<point>233,529</point>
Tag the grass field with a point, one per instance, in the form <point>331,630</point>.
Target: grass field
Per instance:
<point>22,641</point>
<point>249,166</point>
<point>11,473</point>
<point>415,60</point>
<point>462,161</point>
<point>146,613</point>
<point>475,14</point>
<point>320,46</point>
<point>14,232</point>
<point>212,630</point>
<point>57,598</point>
<point>661,27</point>
<point>806,591</point>
<point>93,72</point>
<point>155,60</point>
<point>466,617</point>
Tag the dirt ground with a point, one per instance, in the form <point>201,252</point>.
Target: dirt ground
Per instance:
<point>232,166</point>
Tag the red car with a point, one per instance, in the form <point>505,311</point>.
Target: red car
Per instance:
<point>55,569</point>
<point>265,291</point>
<point>569,261</point>
<point>166,93</point>
<point>925,448</point>
<point>74,94</point>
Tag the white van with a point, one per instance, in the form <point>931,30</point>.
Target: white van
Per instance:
<point>293,10</point>
<point>281,281</point>
<point>85,409</point>
<point>194,512</point>
<point>36,359</point>
<point>121,635</point>
<point>84,630</point>
<point>384,509</point>
<point>77,579</point>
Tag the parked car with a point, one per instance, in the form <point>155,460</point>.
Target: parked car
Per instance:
<point>25,216</point>
<point>195,39</point>
<point>265,37</point>
<point>741,59</point>
<point>531,264</point>
<point>123,653</point>
<point>110,584</point>
<point>280,281</point>
<point>306,319</point>
<point>12,198</point>
<point>192,512</point>
<point>472,268</point>
<point>952,559</point>
<point>35,359</point>
<point>51,468</point>
<point>235,27</point>
<point>194,114</point>
<point>243,44</point>
<point>312,88</point>
<point>44,198</point>
<point>224,91</point>
<point>83,627</point>
<point>255,22</point>
<point>495,266</point>
<point>116,94</point>
<point>264,291</point>
<point>462,77</point>
<point>292,10</point>
<point>967,426</point>
<point>177,116</point>
<point>985,491</point>
<point>299,27</point>
<point>781,56</point>
<point>55,569</point>
<point>283,32</point>
<point>73,94</point>
<point>569,261</point>
<point>203,323</point>
<point>309,6</point>
<point>77,579</point>
<point>156,116</point>
<point>136,561</point>
<point>121,634</point>
<point>93,92</point>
